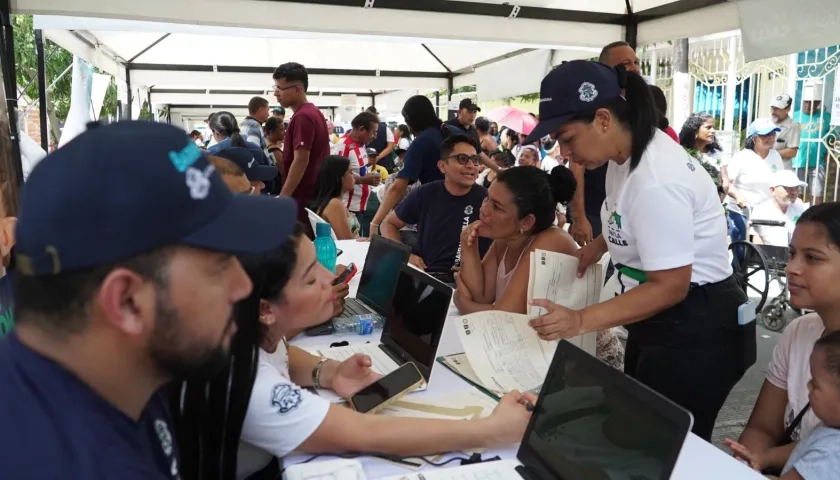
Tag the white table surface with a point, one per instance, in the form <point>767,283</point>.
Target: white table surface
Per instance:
<point>698,459</point>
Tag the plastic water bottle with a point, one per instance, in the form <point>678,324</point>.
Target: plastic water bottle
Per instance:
<point>325,248</point>
<point>359,324</point>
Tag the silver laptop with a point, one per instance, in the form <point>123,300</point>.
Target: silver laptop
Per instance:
<point>591,421</point>
<point>413,327</point>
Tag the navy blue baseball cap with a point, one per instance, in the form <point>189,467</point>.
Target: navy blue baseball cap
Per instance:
<point>570,89</point>
<point>246,161</point>
<point>120,190</point>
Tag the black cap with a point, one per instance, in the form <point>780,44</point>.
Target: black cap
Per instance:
<point>245,160</point>
<point>469,105</point>
<point>572,88</point>
<point>168,195</point>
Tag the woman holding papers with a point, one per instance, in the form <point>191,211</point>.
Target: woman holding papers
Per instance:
<point>256,410</point>
<point>518,214</point>
<point>665,232</point>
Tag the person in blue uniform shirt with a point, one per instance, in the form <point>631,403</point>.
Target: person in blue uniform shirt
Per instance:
<point>119,291</point>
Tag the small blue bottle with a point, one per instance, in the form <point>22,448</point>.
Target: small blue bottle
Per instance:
<point>325,248</point>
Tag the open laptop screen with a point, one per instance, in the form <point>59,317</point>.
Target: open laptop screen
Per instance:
<point>594,422</point>
<point>416,320</point>
<point>382,265</point>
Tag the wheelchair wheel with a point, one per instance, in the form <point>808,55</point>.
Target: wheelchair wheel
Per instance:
<point>751,271</point>
<point>773,315</point>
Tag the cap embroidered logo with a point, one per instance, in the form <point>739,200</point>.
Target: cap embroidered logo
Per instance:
<point>587,92</point>
<point>199,182</point>
<point>185,157</point>
<point>251,163</point>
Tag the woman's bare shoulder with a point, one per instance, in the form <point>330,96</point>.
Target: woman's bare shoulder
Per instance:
<point>555,239</point>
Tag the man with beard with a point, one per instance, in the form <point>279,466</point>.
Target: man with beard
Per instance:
<point>118,292</point>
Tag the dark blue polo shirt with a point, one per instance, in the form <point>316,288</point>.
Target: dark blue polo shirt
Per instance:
<point>53,426</point>
<point>420,162</point>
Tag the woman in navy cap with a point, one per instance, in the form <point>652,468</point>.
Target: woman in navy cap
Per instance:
<point>666,234</point>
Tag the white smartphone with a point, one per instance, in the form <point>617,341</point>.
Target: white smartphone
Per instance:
<point>387,389</point>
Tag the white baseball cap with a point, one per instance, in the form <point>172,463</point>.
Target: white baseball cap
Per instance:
<point>787,179</point>
<point>781,101</point>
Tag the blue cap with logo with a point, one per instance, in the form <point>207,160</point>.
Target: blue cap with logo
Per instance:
<point>570,89</point>
<point>246,161</point>
<point>94,202</point>
<point>762,126</point>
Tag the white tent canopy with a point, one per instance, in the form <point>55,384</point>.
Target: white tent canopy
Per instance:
<point>221,52</point>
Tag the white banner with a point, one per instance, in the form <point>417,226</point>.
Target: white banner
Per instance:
<point>771,28</point>
<point>99,85</point>
<point>79,114</point>
<point>835,102</point>
<point>519,75</point>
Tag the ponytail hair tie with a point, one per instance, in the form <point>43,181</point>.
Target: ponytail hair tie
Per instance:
<point>621,75</point>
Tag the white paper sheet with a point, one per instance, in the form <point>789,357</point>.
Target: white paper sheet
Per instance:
<point>554,277</point>
<point>504,351</point>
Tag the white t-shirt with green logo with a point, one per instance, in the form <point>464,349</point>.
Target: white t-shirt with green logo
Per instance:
<point>769,210</point>
<point>664,214</point>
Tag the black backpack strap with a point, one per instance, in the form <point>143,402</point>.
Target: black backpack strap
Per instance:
<point>788,436</point>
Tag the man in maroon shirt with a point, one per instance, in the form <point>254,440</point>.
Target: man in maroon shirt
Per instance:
<point>307,140</point>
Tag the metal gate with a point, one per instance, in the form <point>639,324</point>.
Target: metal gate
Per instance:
<point>736,93</point>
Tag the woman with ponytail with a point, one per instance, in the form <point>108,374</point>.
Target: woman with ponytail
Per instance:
<point>666,234</point>
<point>226,132</point>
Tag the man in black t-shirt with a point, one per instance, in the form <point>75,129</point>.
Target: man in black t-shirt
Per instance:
<point>465,121</point>
<point>441,210</point>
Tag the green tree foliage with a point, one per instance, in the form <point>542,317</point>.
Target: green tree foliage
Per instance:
<point>57,61</point>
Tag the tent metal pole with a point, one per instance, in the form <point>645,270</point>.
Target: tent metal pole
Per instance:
<point>7,58</point>
<point>42,89</point>
<point>128,112</point>
<point>437,102</point>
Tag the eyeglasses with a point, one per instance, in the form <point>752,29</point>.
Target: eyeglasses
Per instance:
<point>463,158</point>
<point>283,89</point>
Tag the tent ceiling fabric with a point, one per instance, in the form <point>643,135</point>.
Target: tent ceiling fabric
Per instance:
<point>395,45</point>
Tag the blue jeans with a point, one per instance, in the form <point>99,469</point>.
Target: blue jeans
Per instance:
<point>738,231</point>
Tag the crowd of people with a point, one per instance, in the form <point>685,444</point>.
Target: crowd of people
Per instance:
<point>151,322</point>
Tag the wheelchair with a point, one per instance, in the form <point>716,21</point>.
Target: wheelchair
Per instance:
<point>756,267</point>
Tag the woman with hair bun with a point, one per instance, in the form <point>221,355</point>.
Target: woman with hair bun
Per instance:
<point>666,234</point>
<point>518,215</point>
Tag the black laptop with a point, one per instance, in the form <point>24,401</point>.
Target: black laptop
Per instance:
<point>591,421</point>
<point>376,285</point>
<point>414,325</point>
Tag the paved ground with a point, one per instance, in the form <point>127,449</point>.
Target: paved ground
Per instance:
<point>738,407</point>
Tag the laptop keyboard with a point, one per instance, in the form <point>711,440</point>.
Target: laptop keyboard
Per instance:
<point>382,363</point>
<point>353,307</point>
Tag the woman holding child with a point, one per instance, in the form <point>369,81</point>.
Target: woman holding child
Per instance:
<point>801,394</point>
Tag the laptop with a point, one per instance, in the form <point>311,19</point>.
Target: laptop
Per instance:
<point>376,285</point>
<point>413,327</point>
<point>591,421</point>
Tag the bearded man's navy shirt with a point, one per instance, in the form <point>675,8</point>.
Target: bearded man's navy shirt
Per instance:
<point>53,426</point>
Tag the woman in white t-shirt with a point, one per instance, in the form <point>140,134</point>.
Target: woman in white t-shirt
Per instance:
<point>746,177</point>
<point>666,234</point>
<point>813,273</point>
<point>257,410</point>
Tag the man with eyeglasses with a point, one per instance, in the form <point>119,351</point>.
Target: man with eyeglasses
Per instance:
<point>307,140</point>
<point>441,210</point>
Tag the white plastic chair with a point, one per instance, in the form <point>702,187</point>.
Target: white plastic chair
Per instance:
<point>314,219</point>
